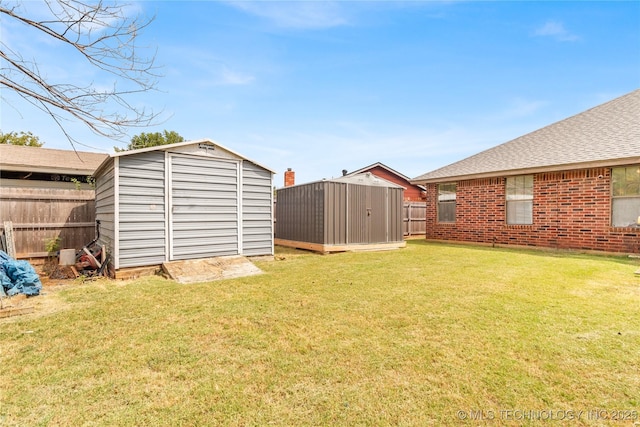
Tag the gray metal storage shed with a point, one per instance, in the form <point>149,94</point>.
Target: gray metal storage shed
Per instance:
<point>194,199</point>
<point>360,212</point>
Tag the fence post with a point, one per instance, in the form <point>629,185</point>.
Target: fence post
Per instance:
<point>11,244</point>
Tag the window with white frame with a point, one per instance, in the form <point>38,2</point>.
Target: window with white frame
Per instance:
<point>625,195</point>
<point>447,202</point>
<point>519,195</point>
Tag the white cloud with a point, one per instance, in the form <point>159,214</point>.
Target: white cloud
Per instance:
<point>233,78</point>
<point>296,15</point>
<point>556,30</point>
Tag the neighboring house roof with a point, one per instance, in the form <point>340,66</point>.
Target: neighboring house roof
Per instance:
<point>47,160</point>
<point>382,166</point>
<point>606,135</point>
<point>187,143</point>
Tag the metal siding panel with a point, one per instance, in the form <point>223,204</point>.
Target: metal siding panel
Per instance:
<point>396,219</point>
<point>283,213</point>
<point>335,209</point>
<point>341,223</point>
<point>328,213</point>
<point>299,213</point>
<point>205,225</point>
<point>204,211</point>
<point>129,188</point>
<point>257,210</point>
<point>144,242</point>
<point>139,258</point>
<point>105,207</point>
<point>315,213</point>
<point>141,225</point>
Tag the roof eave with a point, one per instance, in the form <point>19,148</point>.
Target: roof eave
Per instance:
<point>52,170</point>
<point>526,171</point>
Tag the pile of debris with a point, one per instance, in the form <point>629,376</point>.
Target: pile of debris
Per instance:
<point>90,261</point>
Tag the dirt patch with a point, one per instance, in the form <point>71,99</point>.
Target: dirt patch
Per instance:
<point>19,307</point>
<point>210,269</point>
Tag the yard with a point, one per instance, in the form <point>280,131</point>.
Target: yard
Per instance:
<point>432,334</point>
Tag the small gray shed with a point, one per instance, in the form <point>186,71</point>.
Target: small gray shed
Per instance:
<point>194,199</point>
<point>360,212</point>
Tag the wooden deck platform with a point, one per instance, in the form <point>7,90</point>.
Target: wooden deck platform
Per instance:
<point>324,248</point>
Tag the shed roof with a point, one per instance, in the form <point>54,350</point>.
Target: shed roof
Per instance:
<point>605,135</point>
<point>169,147</point>
<point>47,160</point>
<point>366,178</point>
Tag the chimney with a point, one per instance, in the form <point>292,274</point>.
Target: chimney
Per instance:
<point>289,178</point>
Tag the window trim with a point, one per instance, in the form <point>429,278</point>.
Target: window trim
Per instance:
<point>452,201</point>
<point>633,221</point>
<point>518,198</point>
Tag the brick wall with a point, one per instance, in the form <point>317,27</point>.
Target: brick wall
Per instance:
<point>571,210</point>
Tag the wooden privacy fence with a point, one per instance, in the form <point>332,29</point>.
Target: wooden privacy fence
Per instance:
<point>39,215</point>
<point>415,217</point>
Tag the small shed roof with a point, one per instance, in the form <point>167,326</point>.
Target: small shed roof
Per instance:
<point>606,135</point>
<point>47,160</point>
<point>367,178</point>
<point>169,147</point>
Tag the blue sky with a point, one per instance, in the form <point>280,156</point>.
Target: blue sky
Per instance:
<point>325,86</point>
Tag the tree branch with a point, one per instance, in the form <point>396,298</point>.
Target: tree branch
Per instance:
<point>104,36</point>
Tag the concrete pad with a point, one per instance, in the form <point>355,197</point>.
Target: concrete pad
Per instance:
<point>210,269</point>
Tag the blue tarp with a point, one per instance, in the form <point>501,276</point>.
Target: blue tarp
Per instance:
<point>18,277</point>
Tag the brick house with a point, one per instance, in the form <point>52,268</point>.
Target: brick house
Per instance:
<point>412,192</point>
<point>574,184</point>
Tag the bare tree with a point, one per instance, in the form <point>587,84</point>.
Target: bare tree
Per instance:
<point>104,35</point>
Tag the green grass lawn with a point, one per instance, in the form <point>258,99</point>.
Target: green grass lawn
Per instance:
<point>408,337</point>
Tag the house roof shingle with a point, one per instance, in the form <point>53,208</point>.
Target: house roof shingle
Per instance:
<point>47,160</point>
<point>605,135</point>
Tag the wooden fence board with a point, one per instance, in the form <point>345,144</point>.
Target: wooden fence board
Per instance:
<point>415,218</point>
<point>42,214</point>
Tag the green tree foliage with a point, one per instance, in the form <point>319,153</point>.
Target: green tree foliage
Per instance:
<point>154,139</point>
<point>14,138</point>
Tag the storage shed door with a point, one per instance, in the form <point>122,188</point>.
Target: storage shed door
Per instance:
<point>367,214</point>
<point>204,207</point>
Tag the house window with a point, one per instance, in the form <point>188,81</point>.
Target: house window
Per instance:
<point>520,199</point>
<point>447,202</point>
<point>625,205</point>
